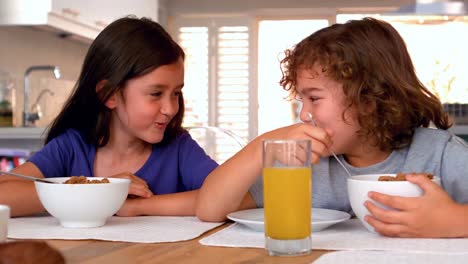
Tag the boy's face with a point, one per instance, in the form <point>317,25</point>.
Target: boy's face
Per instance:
<point>325,100</point>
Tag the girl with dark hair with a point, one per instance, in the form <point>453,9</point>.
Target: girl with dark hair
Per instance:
<point>358,85</point>
<point>123,120</point>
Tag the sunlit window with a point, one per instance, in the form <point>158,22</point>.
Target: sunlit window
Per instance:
<point>220,86</point>
<point>194,41</point>
<point>440,56</point>
<point>439,53</point>
<point>274,37</point>
<point>438,48</point>
<point>216,88</point>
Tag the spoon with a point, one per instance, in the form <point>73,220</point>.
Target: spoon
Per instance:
<point>311,119</point>
<point>26,177</point>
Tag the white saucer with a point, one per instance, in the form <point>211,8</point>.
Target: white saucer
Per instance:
<point>321,218</point>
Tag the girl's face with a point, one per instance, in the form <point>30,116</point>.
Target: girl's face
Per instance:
<point>150,102</point>
<point>325,100</point>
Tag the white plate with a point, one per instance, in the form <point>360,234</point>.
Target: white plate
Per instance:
<point>321,218</point>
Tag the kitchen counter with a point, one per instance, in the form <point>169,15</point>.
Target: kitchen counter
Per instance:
<point>21,132</point>
<point>29,138</point>
<point>460,130</point>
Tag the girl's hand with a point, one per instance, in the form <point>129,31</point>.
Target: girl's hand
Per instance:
<point>321,140</point>
<point>138,187</point>
<point>129,208</point>
<point>431,215</point>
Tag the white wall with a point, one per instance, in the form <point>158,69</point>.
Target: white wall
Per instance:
<point>25,46</point>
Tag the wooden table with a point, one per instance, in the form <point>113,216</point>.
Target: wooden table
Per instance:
<point>95,251</point>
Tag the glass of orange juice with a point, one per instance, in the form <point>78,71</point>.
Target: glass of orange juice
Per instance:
<point>287,185</point>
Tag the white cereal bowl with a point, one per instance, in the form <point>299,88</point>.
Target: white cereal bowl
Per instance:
<point>4,217</point>
<point>82,205</point>
<point>360,185</point>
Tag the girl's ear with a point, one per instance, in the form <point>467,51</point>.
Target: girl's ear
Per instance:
<point>111,103</point>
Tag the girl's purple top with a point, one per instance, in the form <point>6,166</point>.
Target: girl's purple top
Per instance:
<point>181,165</point>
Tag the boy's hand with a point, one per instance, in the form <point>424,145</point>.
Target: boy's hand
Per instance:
<point>321,140</point>
<point>430,215</point>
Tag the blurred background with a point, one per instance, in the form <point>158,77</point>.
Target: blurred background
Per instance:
<point>233,51</point>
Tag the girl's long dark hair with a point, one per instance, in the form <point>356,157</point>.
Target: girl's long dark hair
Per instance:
<point>125,49</point>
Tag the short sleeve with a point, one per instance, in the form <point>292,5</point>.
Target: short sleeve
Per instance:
<point>454,169</point>
<point>195,164</point>
<point>256,190</point>
<point>66,155</point>
<point>52,158</point>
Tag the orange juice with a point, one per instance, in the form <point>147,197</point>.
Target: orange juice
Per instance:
<point>287,202</point>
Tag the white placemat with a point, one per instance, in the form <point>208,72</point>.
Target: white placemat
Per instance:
<point>386,257</point>
<point>141,229</point>
<point>349,235</point>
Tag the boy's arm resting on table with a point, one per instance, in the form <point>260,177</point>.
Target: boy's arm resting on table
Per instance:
<point>459,220</point>
<point>21,194</point>
<point>462,220</point>
<point>226,188</point>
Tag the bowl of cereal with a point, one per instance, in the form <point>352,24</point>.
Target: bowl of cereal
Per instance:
<point>81,202</point>
<point>392,184</point>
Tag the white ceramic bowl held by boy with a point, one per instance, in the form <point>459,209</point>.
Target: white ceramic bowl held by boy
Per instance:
<point>4,217</point>
<point>82,205</point>
<point>360,185</point>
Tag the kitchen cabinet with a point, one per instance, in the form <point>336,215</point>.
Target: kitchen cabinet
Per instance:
<point>82,20</point>
<point>103,12</point>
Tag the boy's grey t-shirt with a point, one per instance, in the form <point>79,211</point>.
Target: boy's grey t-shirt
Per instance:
<point>432,151</point>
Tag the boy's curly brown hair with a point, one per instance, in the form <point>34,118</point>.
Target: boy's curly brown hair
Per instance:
<point>372,62</point>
